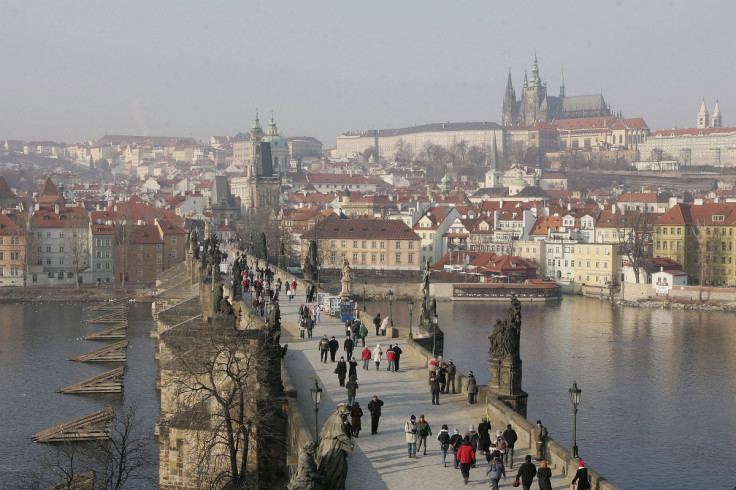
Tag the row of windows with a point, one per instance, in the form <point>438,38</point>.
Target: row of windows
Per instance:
<point>375,258</point>
<point>374,244</point>
<point>13,255</point>
<point>662,245</point>
<point>13,240</point>
<point>663,231</point>
<point>571,263</point>
<point>13,272</point>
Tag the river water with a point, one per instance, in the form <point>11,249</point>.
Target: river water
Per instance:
<point>36,341</point>
<point>658,385</point>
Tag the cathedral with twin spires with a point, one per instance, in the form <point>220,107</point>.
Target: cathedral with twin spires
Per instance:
<point>535,106</point>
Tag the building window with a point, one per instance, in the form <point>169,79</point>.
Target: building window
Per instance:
<point>411,245</point>
<point>173,240</point>
<point>383,258</point>
<point>364,244</point>
<point>398,245</point>
<point>363,258</point>
<point>48,248</point>
<point>355,258</point>
<point>159,246</point>
<point>398,258</point>
<point>158,258</point>
<point>373,244</point>
<point>99,265</point>
<point>355,243</point>
<point>39,262</point>
<point>139,258</point>
<point>344,243</point>
<point>140,247</point>
<point>373,258</point>
<point>48,261</point>
<point>61,260</point>
<point>48,234</point>
<point>411,258</point>
<point>333,257</point>
<point>107,242</point>
<point>140,272</point>
<point>107,265</point>
<point>34,278</point>
<point>107,254</point>
<point>98,242</point>
<point>383,244</point>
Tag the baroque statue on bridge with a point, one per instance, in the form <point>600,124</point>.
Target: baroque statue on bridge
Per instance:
<point>332,456</point>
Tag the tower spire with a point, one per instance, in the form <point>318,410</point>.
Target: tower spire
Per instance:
<point>562,84</point>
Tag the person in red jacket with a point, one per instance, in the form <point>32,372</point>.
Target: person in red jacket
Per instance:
<point>466,456</point>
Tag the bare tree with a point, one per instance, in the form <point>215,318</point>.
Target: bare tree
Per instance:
<point>123,229</point>
<point>710,250</point>
<point>402,151</point>
<point>634,233</point>
<point>220,377</point>
<point>77,244</point>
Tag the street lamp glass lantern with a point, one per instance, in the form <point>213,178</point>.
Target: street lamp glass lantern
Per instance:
<point>316,393</point>
<point>390,295</point>
<point>575,394</point>
<point>410,304</point>
<point>435,319</point>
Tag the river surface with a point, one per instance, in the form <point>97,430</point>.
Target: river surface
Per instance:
<point>658,385</point>
<point>36,341</point>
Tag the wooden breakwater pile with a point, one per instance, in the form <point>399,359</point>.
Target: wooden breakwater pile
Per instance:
<point>96,425</point>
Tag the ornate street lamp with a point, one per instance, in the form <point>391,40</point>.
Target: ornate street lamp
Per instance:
<point>410,304</point>
<point>390,307</point>
<point>435,322</point>
<point>575,399</point>
<point>365,283</point>
<point>316,393</point>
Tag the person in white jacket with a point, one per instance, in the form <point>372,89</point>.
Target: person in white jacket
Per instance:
<point>410,428</point>
<point>377,353</point>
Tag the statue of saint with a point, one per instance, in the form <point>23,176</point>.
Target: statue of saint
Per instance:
<point>345,270</point>
<point>307,476</point>
<point>332,456</point>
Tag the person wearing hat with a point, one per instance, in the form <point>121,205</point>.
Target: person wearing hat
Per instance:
<point>455,440</point>
<point>410,430</point>
<point>423,430</point>
<point>355,415</point>
<point>540,436</point>
<point>527,472</point>
<point>544,475</point>
<point>581,477</point>
<point>495,469</point>
<point>451,372</point>
<point>472,388</point>
<point>510,435</point>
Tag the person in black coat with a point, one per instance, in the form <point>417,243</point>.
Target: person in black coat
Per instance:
<point>334,345</point>
<point>581,477</point>
<point>397,357</point>
<point>341,370</point>
<point>374,407</point>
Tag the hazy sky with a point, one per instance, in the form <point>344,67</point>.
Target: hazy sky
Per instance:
<point>76,70</point>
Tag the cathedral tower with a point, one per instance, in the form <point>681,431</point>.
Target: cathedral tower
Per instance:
<point>508,117</point>
<point>703,116</point>
<point>716,121</point>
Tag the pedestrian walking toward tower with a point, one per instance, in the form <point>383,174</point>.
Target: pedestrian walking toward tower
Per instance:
<point>374,407</point>
<point>455,441</point>
<point>510,436</point>
<point>411,432</point>
<point>348,347</point>
<point>472,436</point>
<point>334,345</point>
<point>484,435</point>
<point>390,356</point>
<point>527,472</point>
<point>495,470</point>
<point>353,368</point>
<point>444,437</point>
<point>581,477</point>
<point>377,324</point>
<point>423,431</point>
<point>442,378</point>
<point>544,476</point>
<point>472,388</point>
<point>397,356</point>
<point>434,388</point>
<point>363,333</point>
<point>466,456</point>
<point>355,415</point>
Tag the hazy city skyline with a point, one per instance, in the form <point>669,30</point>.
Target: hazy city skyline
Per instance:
<point>76,71</point>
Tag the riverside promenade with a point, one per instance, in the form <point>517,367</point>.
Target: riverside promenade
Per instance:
<point>381,461</point>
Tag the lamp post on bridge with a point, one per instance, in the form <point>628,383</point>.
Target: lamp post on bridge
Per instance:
<point>316,393</point>
<point>575,399</point>
<point>390,307</point>
<point>435,323</point>
<point>410,304</point>
<point>365,283</point>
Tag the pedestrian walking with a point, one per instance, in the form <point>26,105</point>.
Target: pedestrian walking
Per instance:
<point>424,430</point>
<point>355,331</point>
<point>540,436</point>
<point>442,378</point>
<point>348,347</point>
<point>455,441</point>
<point>352,368</point>
<point>334,345</point>
<point>374,407</point>
<point>527,472</point>
<point>501,444</point>
<point>472,436</point>
<point>384,326</point>
<point>324,348</point>
<point>366,356</point>
<point>302,328</point>
<point>581,477</point>
<point>466,456</point>
<point>309,323</point>
<point>352,387</point>
<point>444,437</point>
<point>544,476</point>
<point>377,324</point>
<point>411,431</point>
<point>484,435</point>
<point>390,356</point>
<point>434,388</point>
<point>363,333</point>
<point>355,415</point>
<point>397,356</point>
<point>495,470</point>
<point>318,314</point>
<point>472,388</point>
<point>341,370</point>
<point>377,353</point>
<point>348,328</point>
<point>451,371</point>
<point>510,436</point>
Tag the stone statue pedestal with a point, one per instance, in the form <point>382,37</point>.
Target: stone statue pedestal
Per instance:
<point>345,293</point>
<point>505,384</point>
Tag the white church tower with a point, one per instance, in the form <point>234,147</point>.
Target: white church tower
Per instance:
<point>703,116</point>
<point>716,121</point>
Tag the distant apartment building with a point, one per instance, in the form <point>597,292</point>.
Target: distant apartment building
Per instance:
<point>12,252</point>
<point>596,263</point>
<point>102,252</point>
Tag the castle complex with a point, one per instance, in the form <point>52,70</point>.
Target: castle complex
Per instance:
<point>535,106</point>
